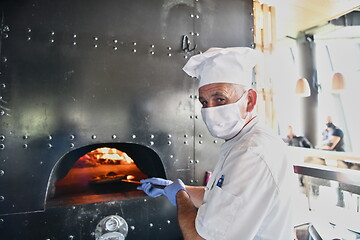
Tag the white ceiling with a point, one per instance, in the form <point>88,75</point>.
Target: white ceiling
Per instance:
<point>293,16</point>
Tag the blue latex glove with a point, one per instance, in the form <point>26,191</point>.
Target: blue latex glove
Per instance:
<point>171,190</point>
<point>151,190</point>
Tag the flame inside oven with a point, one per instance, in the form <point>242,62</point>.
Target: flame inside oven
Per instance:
<point>102,174</point>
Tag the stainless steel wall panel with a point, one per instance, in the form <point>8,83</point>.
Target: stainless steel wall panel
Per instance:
<point>93,72</point>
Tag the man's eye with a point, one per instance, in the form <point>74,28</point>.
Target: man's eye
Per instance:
<point>220,99</point>
<point>204,103</point>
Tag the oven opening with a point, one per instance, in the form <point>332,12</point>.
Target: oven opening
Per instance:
<point>102,172</point>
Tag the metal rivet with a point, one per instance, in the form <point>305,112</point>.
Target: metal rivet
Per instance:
<point>145,200</point>
<point>2,146</point>
<point>93,136</point>
<point>200,135</point>
<point>152,136</point>
<point>134,43</point>
<point>71,237</point>
<point>251,14</point>
<point>197,34</point>
<point>196,96</point>
<point>4,59</point>
<point>25,146</point>
<point>95,46</point>
<point>72,137</point>
<point>251,29</point>
<point>6,35</point>
<point>29,38</point>
<point>152,52</point>
<point>2,198</point>
<point>185,136</point>
<point>72,145</point>
<point>3,85</point>
<point>196,117</point>
<point>185,57</point>
<point>197,16</point>
<point>201,142</point>
<point>2,112</point>
<point>52,33</point>
<point>192,15</point>
<point>25,137</point>
<point>2,137</point>
<point>191,117</point>
<point>41,162</point>
<point>133,136</point>
<point>168,221</point>
<point>115,48</point>
<point>1,221</point>
<point>95,38</point>
<point>252,45</point>
<point>2,172</point>
<point>74,43</point>
<point>215,141</point>
<point>171,156</point>
<point>52,40</point>
<point>74,36</point>
<point>196,161</point>
<point>151,225</point>
<point>28,30</point>
<point>132,228</point>
<point>134,50</point>
<point>169,136</point>
<point>169,54</point>
<point>6,29</point>
<point>113,136</point>
<point>196,180</point>
<point>191,33</point>
<point>115,41</point>
<point>152,143</point>
<point>191,181</point>
<point>186,142</point>
<point>49,137</point>
<point>191,161</point>
<point>169,142</point>
<point>169,48</point>
<point>152,45</point>
<point>49,145</point>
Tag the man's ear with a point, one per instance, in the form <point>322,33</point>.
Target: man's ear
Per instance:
<point>252,98</point>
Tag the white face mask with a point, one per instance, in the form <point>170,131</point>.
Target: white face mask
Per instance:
<point>224,121</point>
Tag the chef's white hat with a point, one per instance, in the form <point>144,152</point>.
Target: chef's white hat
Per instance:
<point>223,65</point>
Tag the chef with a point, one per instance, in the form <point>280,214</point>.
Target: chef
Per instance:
<point>248,195</point>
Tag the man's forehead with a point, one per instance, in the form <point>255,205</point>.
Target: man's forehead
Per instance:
<point>219,88</point>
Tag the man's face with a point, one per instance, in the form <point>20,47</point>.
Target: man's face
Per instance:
<point>217,94</point>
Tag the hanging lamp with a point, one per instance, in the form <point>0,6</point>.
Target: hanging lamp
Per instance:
<point>338,82</point>
<point>302,87</point>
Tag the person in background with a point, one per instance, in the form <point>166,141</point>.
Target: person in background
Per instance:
<point>249,193</point>
<point>333,138</point>
<point>296,141</point>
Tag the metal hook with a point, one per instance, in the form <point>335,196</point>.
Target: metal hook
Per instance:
<point>186,44</point>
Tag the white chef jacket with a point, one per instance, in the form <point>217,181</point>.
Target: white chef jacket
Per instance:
<point>254,199</point>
